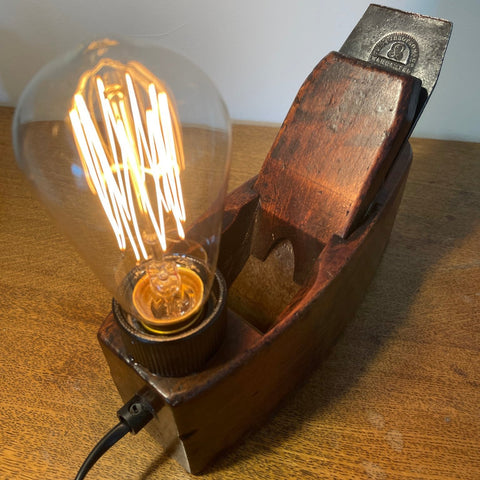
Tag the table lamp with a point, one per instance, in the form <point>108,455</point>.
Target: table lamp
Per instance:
<point>223,305</point>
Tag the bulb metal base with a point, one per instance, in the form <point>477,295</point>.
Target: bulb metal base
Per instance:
<point>174,323</point>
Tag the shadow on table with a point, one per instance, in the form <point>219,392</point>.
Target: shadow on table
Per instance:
<point>153,469</point>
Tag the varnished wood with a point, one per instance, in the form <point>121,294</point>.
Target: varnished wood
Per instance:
<point>397,397</point>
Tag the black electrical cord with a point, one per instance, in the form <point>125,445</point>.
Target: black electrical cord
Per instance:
<point>133,416</point>
<point>110,439</point>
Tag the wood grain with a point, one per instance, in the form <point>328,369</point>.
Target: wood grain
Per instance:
<point>398,397</point>
<point>339,139</point>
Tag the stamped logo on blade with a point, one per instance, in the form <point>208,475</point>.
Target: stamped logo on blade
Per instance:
<point>397,51</point>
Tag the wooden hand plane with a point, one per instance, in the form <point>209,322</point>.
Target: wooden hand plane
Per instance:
<point>302,240</point>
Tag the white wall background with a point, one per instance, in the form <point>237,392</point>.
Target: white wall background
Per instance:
<point>258,52</point>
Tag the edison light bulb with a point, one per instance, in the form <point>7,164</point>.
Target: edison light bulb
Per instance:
<point>128,148</point>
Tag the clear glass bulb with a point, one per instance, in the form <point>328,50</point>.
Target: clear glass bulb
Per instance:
<point>128,148</point>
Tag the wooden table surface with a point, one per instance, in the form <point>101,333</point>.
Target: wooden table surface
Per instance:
<point>398,397</point>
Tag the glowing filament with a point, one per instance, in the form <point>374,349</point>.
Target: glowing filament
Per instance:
<point>136,145</point>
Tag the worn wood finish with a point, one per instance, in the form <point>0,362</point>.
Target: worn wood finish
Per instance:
<point>202,415</point>
<point>396,398</point>
<point>295,199</point>
<point>336,145</point>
